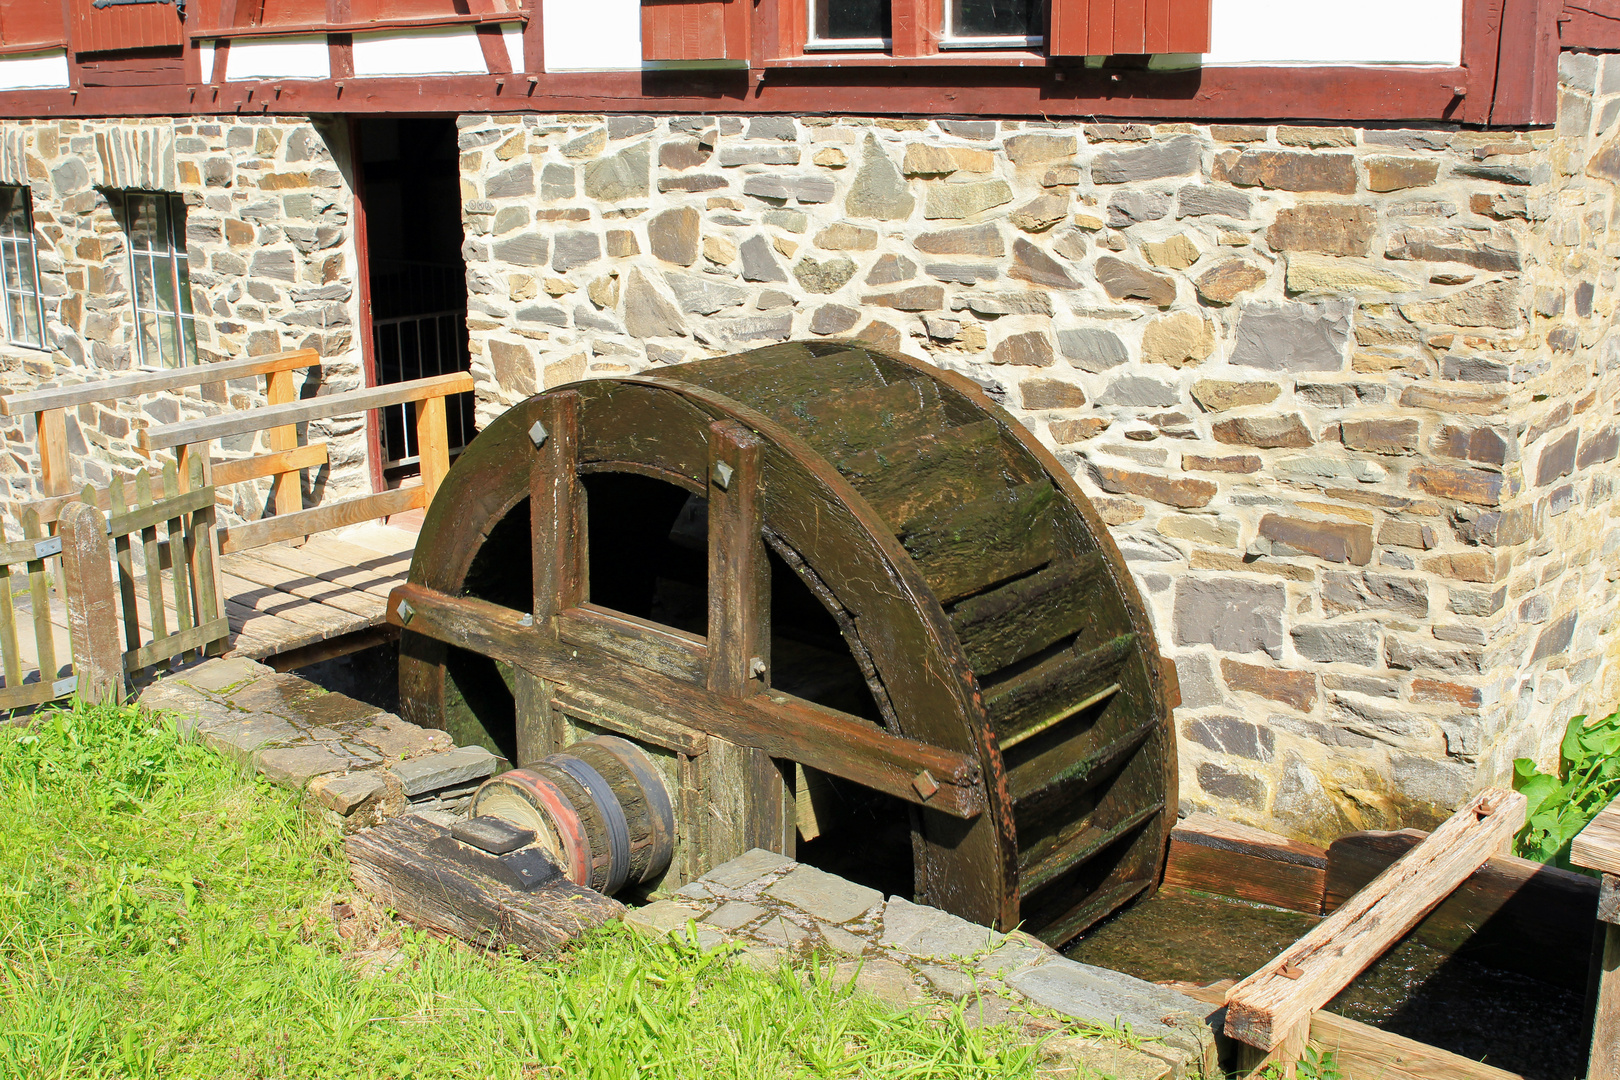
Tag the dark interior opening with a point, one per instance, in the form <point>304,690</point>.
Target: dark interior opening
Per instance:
<point>411,185</point>
<point>649,554</point>
<point>845,829</point>
<point>480,703</point>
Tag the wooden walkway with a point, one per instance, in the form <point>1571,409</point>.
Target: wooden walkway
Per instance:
<point>287,606</point>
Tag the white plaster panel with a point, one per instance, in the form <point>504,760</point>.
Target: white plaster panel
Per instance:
<point>29,71</point>
<point>442,50</point>
<point>279,58</point>
<point>601,36</point>
<point>205,60</point>
<point>512,34</point>
<point>1331,32</point>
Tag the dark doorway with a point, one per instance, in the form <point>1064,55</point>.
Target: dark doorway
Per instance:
<point>411,184</point>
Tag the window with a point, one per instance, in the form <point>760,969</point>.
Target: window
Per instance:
<point>156,224</point>
<point>19,264</point>
<point>799,33</point>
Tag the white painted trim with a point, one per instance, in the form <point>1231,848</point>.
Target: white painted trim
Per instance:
<point>512,34</point>
<point>304,57</point>
<point>434,50</point>
<point>592,35</point>
<point>1331,32</point>
<point>34,71</point>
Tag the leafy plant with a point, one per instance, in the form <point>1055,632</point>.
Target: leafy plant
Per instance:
<point>1560,805</point>
<point>1315,1064</point>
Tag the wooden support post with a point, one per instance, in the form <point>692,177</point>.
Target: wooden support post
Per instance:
<point>289,492</point>
<point>55,468</point>
<point>432,443</point>
<point>557,509</point>
<point>1598,848</point>
<point>1271,1009</point>
<point>740,629</point>
<point>92,611</point>
<point>739,572</point>
<point>540,726</point>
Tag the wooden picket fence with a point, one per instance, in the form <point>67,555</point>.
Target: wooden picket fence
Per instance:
<point>32,656</point>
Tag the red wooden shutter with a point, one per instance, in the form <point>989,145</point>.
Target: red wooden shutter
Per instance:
<point>1110,27</point>
<point>695,29</point>
<point>124,26</point>
<point>31,22</point>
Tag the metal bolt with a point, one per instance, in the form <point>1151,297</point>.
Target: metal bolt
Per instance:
<point>538,434</point>
<point>527,620</point>
<point>925,784</point>
<point>405,611</point>
<point>756,668</point>
<point>722,475</point>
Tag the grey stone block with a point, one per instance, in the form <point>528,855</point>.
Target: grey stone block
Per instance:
<point>1139,391</point>
<point>733,915</point>
<point>747,868</point>
<point>1108,998</point>
<point>448,769</point>
<point>826,896</point>
<point>1173,157</point>
<point>840,940</point>
<point>883,979</point>
<point>218,675</point>
<point>929,932</point>
<point>239,740</point>
<point>295,766</point>
<point>1351,643</point>
<point>1293,337</point>
<point>1233,615</point>
<point>950,982</point>
<point>779,931</point>
<point>345,794</point>
<point>1092,349</point>
<point>662,917</point>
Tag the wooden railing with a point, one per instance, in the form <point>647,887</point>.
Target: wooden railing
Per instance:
<point>49,407</point>
<point>179,499</point>
<point>191,437</point>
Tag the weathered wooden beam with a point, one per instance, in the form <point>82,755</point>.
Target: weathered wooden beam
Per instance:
<point>237,470</point>
<point>1511,914</point>
<point>782,726</point>
<point>1213,855</point>
<point>1273,1006</point>
<point>149,382</point>
<point>1597,847</point>
<point>320,518</point>
<point>403,864</point>
<point>316,408</point>
<point>92,610</point>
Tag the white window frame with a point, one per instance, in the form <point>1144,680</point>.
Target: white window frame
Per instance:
<point>166,258</point>
<point>20,249</point>
<point>812,43</point>
<point>950,39</point>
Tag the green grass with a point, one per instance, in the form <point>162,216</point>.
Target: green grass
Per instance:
<point>163,915</point>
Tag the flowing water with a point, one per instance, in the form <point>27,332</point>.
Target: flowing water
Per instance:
<point>1507,1020</point>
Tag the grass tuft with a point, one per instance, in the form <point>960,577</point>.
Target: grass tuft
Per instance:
<point>164,915</point>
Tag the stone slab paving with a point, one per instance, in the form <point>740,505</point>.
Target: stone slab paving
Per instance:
<point>354,761</point>
<point>916,956</point>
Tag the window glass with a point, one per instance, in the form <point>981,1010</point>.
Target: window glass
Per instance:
<point>994,21</point>
<point>848,24</point>
<point>19,268</point>
<point>161,278</point>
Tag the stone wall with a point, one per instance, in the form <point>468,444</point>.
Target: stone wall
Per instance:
<point>272,262</point>
<point>1345,394</point>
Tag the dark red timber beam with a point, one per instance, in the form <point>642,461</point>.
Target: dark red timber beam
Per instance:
<point>1508,78</point>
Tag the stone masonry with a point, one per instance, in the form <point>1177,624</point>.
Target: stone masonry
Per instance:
<point>272,267</point>
<point>1346,395</point>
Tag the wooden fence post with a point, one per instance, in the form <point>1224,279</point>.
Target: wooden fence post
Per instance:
<point>432,443</point>
<point>289,492</point>
<point>92,610</point>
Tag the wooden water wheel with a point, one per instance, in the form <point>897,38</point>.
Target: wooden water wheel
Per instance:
<point>852,607</point>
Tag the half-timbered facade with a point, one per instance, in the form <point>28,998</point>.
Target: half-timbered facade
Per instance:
<point>1316,302</point>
